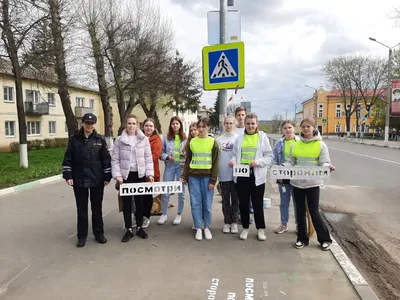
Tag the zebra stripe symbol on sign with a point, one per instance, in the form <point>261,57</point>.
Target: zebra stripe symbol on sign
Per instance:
<point>223,68</point>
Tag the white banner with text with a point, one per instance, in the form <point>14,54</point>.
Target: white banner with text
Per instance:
<point>149,188</point>
<point>299,172</point>
<point>241,170</point>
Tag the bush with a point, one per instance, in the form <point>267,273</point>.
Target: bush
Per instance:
<point>49,143</point>
<point>61,142</point>
<point>14,147</point>
<point>40,144</point>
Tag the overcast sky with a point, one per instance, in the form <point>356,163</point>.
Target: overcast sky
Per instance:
<point>287,42</point>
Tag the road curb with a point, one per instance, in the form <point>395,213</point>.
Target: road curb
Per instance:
<point>363,143</point>
<point>29,185</point>
<point>357,280</point>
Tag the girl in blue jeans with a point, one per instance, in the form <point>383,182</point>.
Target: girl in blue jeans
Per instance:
<point>201,173</point>
<point>281,155</point>
<point>172,153</point>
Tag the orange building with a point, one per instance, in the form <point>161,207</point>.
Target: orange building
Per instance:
<point>331,115</point>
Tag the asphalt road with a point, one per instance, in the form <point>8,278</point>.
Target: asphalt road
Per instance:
<point>39,260</point>
<point>362,202</point>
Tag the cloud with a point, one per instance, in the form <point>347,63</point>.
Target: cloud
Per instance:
<point>287,42</point>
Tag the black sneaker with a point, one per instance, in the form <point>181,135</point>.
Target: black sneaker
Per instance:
<point>101,239</point>
<point>81,243</point>
<point>141,233</point>
<point>127,236</point>
<point>326,246</point>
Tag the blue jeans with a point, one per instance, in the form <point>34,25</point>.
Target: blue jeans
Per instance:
<point>201,199</point>
<point>285,202</point>
<point>172,172</point>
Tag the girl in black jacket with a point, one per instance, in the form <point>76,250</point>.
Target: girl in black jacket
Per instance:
<point>87,168</point>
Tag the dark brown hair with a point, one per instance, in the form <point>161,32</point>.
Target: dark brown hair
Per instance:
<point>154,122</point>
<point>311,123</point>
<point>205,121</point>
<point>240,108</point>
<point>171,133</point>
<point>287,122</point>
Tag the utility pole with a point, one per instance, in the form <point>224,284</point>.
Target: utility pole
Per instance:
<point>388,96</point>
<point>388,91</point>
<point>223,36</point>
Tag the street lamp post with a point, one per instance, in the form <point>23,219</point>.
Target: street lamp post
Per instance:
<point>388,91</point>
<point>316,103</point>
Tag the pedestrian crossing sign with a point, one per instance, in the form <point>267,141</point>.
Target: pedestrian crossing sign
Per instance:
<point>223,66</point>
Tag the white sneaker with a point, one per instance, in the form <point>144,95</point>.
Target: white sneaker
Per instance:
<point>146,222</point>
<point>243,235</point>
<point>199,235</point>
<point>234,228</point>
<point>177,220</point>
<point>281,229</point>
<point>207,234</point>
<point>326,246</point>
<point>227,228</point>
<point>261,235</point>
<point>162,219</point>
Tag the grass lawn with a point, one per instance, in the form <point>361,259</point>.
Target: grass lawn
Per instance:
<point>42,163</point>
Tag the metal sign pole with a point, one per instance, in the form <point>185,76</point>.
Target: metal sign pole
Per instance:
<point>223,29</point>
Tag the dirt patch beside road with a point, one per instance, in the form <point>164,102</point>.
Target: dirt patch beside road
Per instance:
<point>372,260</point>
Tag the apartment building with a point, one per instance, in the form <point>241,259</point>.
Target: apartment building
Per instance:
<point>43,110</point>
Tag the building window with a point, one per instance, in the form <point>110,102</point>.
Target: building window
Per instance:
<point>8,94</point>
<point>91,103</point>
<point>52,127</point>
<point>80,102</point>
<point>10,128</point>
<point>32,96</point>
<point>33,127</point>
<point>338,128</point>
<point>338,110</point>
<point>366,128</point>
<point>320,110</point>
<point>51,99</point>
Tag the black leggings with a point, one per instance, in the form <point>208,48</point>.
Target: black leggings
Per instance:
<point>312,196</point>
<point>127,209</point>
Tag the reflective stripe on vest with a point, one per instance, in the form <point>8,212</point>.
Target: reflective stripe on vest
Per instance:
<point>201,153</point>
<point>249,148</point>
<point>177,149</point>
<point>306,154</point>
<point>286,150</point>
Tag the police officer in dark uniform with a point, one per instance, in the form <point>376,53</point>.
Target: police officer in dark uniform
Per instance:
<point>87,168</point>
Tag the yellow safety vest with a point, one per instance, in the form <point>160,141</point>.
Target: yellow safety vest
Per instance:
<point>201,153</point>
<point>306,154</point>
<point>177,149</point>
<point>249,148</point>
<point>288,144</point>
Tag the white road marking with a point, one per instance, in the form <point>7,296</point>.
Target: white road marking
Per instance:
<point>369,156</point>
<point>4,288</point>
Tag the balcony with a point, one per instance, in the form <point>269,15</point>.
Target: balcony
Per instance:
<point>80,111</point>
<point>36,109</point>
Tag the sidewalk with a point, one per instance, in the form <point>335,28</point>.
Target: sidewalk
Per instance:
<point>378,143</point>
<point>39,259</point>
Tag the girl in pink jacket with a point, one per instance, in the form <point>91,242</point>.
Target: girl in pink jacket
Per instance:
<point>132,162</point>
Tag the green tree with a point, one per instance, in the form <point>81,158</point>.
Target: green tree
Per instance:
<point>214,117</point>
